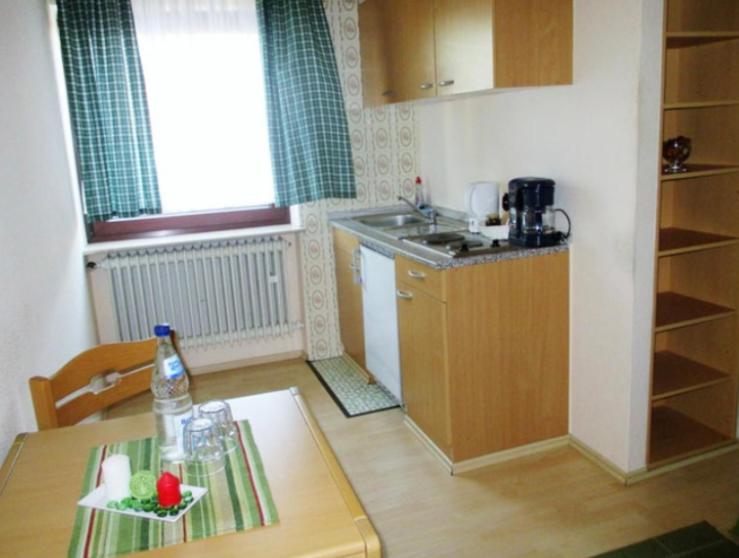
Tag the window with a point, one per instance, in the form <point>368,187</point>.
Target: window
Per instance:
<point>202,67</point>
<point>204,83</point>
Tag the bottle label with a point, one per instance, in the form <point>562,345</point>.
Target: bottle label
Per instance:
<point>173,367</point>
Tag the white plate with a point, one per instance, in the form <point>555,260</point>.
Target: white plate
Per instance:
<point>98,500</point>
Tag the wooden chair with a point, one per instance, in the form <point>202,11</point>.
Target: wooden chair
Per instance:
<point>114,372</point>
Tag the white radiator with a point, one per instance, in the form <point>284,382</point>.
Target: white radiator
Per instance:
<point>210,292</point>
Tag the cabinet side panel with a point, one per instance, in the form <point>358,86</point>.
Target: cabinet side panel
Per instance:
<point>533,42</point>
<point>349,296</point>
<point>508,328</point>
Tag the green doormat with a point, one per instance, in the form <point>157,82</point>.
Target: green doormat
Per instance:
<point>697,541</point>
<point>349,388</point>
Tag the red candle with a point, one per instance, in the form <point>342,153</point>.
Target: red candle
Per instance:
<point>168,490</point>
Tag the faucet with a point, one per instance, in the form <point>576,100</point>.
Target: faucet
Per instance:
<point>431,216</point>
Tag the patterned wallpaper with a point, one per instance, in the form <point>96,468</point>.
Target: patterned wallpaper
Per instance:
<point>385,159</point>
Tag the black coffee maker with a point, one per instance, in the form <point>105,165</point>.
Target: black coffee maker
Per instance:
<point>530,205</point>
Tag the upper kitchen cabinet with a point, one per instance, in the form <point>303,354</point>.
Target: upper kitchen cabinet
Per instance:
<point>463,39</point>
<point>397,42</point>
<point>416,49</point>
<point>533,42</point>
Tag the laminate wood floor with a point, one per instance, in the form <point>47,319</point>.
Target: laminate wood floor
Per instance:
<point>556,504</point>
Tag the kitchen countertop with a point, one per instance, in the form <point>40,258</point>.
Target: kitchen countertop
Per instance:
<point>375,239</point>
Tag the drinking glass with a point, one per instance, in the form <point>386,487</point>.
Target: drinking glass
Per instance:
<point>219,412</point>
<point>203,447</point>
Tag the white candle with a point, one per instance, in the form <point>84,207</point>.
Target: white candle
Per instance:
<point>117,477</point>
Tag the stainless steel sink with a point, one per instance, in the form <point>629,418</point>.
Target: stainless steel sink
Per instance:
<point>388,221</point>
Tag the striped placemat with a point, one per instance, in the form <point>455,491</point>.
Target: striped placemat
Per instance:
<point>238,498</point>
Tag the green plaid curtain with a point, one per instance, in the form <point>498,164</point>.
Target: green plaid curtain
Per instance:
<point>107,105</point>
<point>309,137</point>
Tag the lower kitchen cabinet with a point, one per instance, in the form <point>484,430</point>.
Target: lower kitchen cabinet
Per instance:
<point>349,292</point>
<point>424,362</point>
<point>484,352</point>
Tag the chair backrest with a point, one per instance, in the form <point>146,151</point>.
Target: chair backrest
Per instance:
<point>133,361</point>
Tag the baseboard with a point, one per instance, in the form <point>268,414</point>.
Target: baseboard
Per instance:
<point>638,475</point>
<point>488,459</point>
<point>644,474</point>
<point>603,462</point>
<point>509,454</point>
<point>243,363</point>
<point>430,445</point>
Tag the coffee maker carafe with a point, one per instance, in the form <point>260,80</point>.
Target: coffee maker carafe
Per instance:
<point>530,204</point>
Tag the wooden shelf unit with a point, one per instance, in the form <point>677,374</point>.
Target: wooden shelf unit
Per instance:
<point>715,64</point>
<point>699,170</point>
<point>700,104</point>
<point>674,241</point>
<point>693,397</point>
<point>684,39</point>
<point>702,16</point>
<point>676,436</point>
<point>675,374</point>
<point>675,310</point>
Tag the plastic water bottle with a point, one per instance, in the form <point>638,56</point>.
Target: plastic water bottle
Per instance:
<point>172,401</point>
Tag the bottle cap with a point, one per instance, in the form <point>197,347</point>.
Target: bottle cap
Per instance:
<point>161,330</point>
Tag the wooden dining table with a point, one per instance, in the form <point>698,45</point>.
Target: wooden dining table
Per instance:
<point>319,513</point>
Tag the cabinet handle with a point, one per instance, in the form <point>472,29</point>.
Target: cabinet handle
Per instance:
<point>426,85</point>
<point>405,295</point>
<point>356,266</point>
<point>446,83</point>
<point>416,274</point>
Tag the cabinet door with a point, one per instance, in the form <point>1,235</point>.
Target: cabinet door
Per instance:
<point>533,42</point>
<point>423,363</point>
<point>410,49</point>
<point>508,335</point>
<point>464,45</point>
<point>349,291</point>
<point>373,46</point>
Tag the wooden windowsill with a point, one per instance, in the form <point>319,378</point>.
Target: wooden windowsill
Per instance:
<point>100,248</point>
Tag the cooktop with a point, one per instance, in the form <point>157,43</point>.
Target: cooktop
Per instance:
<point>458,244</point>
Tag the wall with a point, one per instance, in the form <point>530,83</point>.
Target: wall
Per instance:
<point>586,137</point>
<point>45,307</point>
<point>645,245</point>
<point>383,143</point>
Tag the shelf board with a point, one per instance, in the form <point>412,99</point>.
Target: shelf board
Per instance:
<point>701,169</point>
<point>675,310</point>
<point>675,374</point>
<point>682,39</point>
<point>673,241</point>
<point>675,436</point>
<point>700,104</point>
